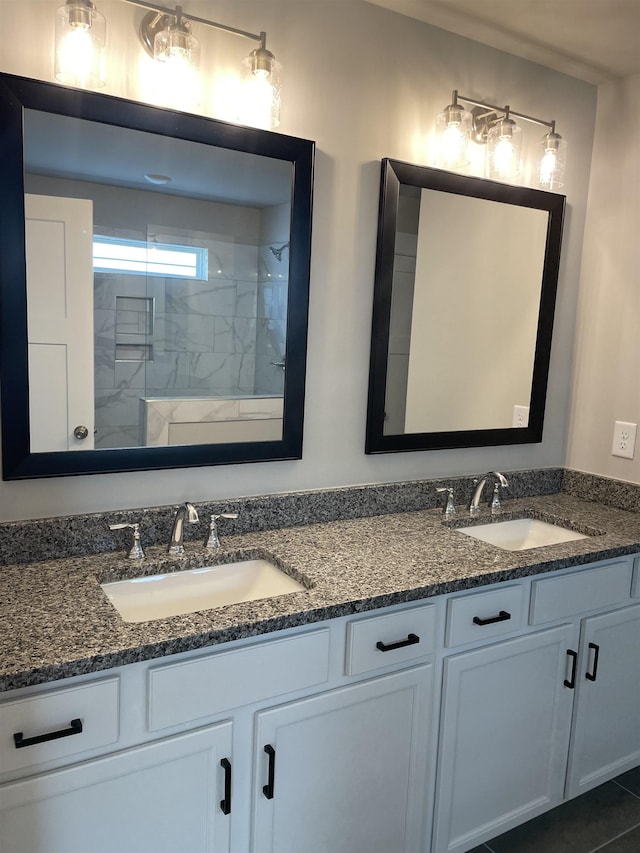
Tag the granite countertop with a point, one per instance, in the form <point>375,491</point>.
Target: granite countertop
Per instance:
<point>56,621</point>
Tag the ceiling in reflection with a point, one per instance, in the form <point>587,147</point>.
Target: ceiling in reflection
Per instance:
<point>85,150</point>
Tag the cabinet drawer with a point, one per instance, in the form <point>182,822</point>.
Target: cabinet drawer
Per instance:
<point>580,591</point>
<point>95,705</point>
<point>181,692</point>
<point>483,615</point>
<point>377,641</point>
<point>635,583</point>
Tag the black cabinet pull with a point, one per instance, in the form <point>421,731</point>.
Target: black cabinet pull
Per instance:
<point>571,683</point>
<point>411,640</point>
<point>591,676</point>
<point>503,616</point>
<point>225,804</point>
<point>267,789</point>
<point>75,727</point>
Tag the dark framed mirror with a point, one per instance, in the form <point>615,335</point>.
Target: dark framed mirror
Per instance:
<point>464,297</point>
<point>154,280</point>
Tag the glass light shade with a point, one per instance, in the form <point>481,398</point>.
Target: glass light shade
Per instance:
<point>504,144</point>
<point>453,132</point>
<point>261,90</point>
<point>178,66</point>
<point>554,153</point>
<point>80,45</point>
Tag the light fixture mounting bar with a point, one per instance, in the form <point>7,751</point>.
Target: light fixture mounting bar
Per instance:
<point>178,12</point>
<point>505,109</point>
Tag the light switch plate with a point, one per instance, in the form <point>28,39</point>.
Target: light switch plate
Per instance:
<point>624,439</point>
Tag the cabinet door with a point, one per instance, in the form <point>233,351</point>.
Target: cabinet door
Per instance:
<point>505,724</point>
<point>347,769</point>
<point>606,736</point>
<point>162,797</point>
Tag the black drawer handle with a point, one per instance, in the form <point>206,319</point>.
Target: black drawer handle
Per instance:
<point>411,640</point>
<point>503,616</point>
<point>268,789</point>
<point>225,804</point>
<point>591,676</point>
<point>571,682</point>
<point>75,727</point>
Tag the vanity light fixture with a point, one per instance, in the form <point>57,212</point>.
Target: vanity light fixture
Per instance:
<point>80,36</point>
<point>553,159</point>
<point>166,36</point>
<point>495,127</point>
<point>504,144</point>
<point>453,133</point>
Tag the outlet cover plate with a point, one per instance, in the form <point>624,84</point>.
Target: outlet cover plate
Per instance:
<point>520,417</point>
<point>624,439</point>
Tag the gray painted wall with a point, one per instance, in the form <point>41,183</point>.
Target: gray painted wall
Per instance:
<point>365,83</point>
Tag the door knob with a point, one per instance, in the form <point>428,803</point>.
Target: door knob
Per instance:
<point>81,432</point>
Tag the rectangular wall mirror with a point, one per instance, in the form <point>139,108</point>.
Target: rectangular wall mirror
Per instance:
<point>154,286</point>
<point>464,296</point>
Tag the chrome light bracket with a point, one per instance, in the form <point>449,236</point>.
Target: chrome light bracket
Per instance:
<point>156,22</point>
<point>482,122</point>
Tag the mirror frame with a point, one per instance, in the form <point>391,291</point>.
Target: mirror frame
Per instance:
<point>18,462</point>
<point>395,173</point>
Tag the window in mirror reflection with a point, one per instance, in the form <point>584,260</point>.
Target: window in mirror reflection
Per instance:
<point>142,257</point>
<point>171,309</point>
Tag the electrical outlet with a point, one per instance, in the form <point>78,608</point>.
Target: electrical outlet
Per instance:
<point>520,416</point>
<point>624,439</point>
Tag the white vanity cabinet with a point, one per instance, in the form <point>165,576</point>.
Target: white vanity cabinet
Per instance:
<point>324,738</point>
<point>606,734</point>
<point>348,771</point>
<point>544,715</point>
<point>505,724</point>
<point>344,771</point>
<point>161,797</point>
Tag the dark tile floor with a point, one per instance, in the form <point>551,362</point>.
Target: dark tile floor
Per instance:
<point>606,819</point>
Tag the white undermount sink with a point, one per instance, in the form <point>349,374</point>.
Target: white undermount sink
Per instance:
<point>518,534</point>
<point>158,596</point>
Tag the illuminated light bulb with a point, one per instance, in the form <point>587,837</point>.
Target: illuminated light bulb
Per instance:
<point>177,55</point>
<point>503,157</point>
<point>503,150</point>
<point>551,173</point>
<point>80,45</point>
<point>453,132</point>
<point>261,90</point>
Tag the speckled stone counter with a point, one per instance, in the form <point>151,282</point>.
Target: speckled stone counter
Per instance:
<point>56,621</point>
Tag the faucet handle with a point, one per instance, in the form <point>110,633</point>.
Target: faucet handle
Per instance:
<point>496,506</point>
<point>136,552</point>
<point>213,540</point>
<point>449,508</point>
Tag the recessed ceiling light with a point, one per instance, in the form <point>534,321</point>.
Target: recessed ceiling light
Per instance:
<point>157,179</point>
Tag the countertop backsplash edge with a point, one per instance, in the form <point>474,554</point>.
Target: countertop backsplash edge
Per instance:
<point>53,538</point>
<point>35,540</point>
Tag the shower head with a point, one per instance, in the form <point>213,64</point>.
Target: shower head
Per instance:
<point>278,252</point>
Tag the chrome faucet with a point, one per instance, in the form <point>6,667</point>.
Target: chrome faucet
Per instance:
<point>136,552</point>
<point>449,507</point>
<point>213,540</point>
<point>498,479</point>
<point>185,512</point>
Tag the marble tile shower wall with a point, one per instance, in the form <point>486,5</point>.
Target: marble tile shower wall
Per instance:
<point>166,337</point>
